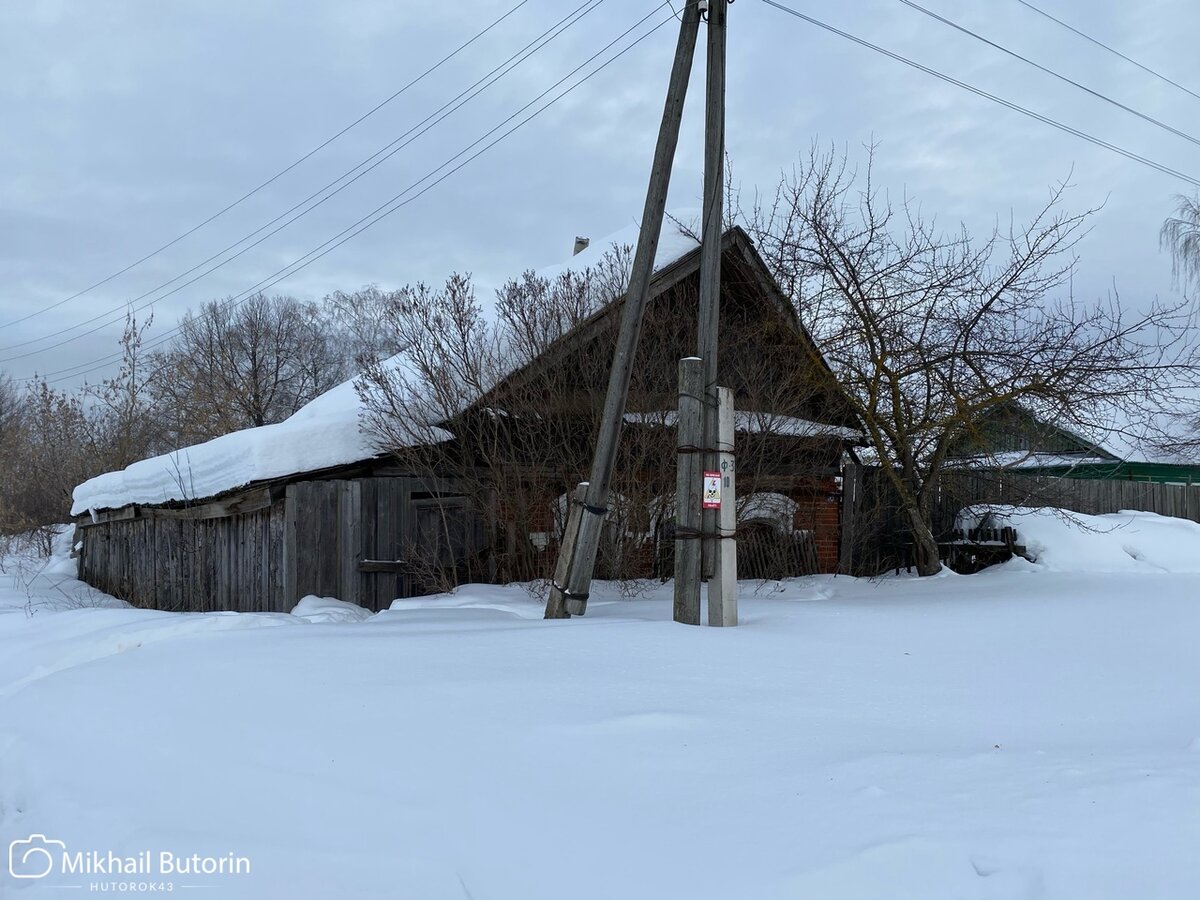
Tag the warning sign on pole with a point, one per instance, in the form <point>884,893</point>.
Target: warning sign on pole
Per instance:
<point>711,497</point>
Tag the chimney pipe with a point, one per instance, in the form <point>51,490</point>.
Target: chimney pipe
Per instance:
<point>581,244</point>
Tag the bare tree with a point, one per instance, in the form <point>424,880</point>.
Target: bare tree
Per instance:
<point>10,405</point>
<point>361,324</point>
<point>55,439</point>
<point>55,454</point>
<point>12,427</point>
<point>122,413</point>
<point>1180,234</point>
<point>228,370</point>
<point>234,367</point>
<point>928,329</point>
<point>524,407</point>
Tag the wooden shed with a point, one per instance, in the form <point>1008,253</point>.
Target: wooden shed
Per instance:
<point>341,533</point>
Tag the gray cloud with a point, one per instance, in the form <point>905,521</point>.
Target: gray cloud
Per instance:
<point>125,124</point>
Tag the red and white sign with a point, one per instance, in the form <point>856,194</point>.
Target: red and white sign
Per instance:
<point>711,497</point>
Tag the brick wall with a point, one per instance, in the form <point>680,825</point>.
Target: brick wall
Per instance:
<point>819,510</point>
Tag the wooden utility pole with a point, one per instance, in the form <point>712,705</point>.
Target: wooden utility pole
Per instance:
<point>689,466</point>
<point>708,336</point>
<point>556,603</point>
<point>851,498</point>
<point>722,587</point>
<point>569,595</point>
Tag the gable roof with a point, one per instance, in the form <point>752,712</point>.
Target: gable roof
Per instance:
<point>677,260</point>
<point>1052,446</point>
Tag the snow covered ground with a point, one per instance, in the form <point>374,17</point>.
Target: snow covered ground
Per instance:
<point>1021,733</point>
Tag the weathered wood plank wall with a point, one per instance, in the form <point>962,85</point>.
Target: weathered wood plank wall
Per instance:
<point>351,538</point>
<point>183,564</point>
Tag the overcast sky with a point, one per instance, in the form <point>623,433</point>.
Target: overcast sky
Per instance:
<point>125,124</point>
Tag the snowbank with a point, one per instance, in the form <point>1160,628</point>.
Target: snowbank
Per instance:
<point>323,610</point>
<point>32,582</point>
<point>27,551</point>
<point>1126,541</point>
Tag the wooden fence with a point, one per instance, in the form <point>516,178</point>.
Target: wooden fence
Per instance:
<point>875,536</point>
<point>1086,495</point>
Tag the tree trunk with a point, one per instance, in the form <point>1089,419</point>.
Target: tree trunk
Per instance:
<point>925,549</point>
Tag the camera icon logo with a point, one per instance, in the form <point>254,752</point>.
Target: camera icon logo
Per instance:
<point>34,856</point>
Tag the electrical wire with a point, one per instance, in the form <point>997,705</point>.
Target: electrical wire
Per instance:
<point>1051,72</point>
<point>396,202</point>
<point>1112,50</point>
<point>276,176</point>
<point>1047,120</point>
<point>379,157</point>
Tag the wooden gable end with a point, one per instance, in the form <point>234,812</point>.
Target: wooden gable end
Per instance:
<point>1011,428</point>
<point>767,358</point>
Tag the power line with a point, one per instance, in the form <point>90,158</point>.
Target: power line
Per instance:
<point>395,202</point>
<point>1054,123</point>
<point>1051,72</point>
<point>246,196</point>
<point>379,157</point>
<point>1112,50</point>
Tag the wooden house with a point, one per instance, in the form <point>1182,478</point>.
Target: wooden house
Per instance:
<point>1013,439</point>
<point>255,520</point>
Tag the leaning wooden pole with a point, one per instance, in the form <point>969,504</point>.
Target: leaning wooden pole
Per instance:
<point>708,336</point>
<point>555,605</point>
<point>572,593</point>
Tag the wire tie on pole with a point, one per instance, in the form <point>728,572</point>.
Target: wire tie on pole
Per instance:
<point>594,510</point>
<point>567,594</point>
<point>695,534</point>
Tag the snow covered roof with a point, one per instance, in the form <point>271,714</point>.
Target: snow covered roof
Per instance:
<point>1149,436</point>
<point>674,243</point>
<point>1027,459</point>
<point>324,433</point>
<point>752,422</point>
